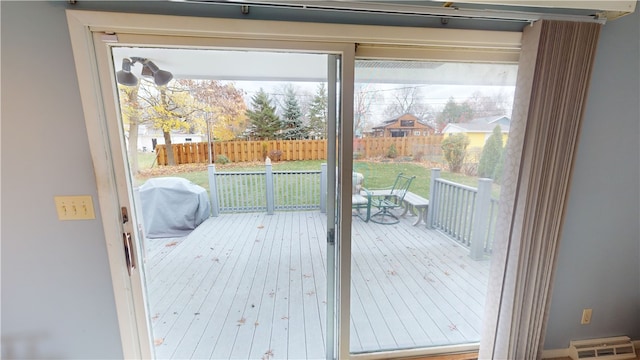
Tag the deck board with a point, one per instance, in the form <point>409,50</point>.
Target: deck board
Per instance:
<point>253,286</point>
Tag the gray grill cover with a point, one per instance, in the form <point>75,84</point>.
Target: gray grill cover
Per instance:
<point>172,206</point>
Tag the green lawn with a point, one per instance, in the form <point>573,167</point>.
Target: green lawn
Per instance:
<point>377,174</point>
<point>147,160</point>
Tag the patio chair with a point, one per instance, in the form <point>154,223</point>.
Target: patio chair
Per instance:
<point>386,200</point>
<point>360,198</point>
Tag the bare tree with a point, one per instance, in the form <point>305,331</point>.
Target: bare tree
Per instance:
<point>364,97</point>
<point>408,100</point>
<point>489,105</point>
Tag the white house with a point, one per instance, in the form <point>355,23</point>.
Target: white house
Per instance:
<point>478,130</point>
<point>149,138</point>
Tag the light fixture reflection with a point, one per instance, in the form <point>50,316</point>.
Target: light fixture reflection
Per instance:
<point>125,77</point>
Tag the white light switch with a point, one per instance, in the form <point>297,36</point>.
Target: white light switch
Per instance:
<point>74,207</point>
<point>586,316</point>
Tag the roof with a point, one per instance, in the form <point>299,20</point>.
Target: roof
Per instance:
<point>483,125</point>
<point>502,119</point>
<point>394,120</point>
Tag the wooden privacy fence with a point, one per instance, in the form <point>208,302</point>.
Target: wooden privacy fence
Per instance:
<point>287,150</point>
<point>425,146</point>
<point>243,151</point>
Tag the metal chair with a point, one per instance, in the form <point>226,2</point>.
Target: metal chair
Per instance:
<point>386,200</point>
<point>360,198</point>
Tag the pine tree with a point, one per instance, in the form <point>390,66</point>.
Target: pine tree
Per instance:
<point>491,153</point>
<point>497,173</point>
<point>265,124</point>
<point>454,113</point>
<point>292,126</point>
<point>318,113</point>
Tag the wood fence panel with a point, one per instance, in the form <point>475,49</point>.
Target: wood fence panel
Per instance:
<point>160,155</point>
<point>243,151</point>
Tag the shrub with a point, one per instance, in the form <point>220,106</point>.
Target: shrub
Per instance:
<point>222,159</point>
<point>392,153</point>
<point>454,149</point>
<point>275,155</point>
<point>470,169</point>
<point>418,156</point>
<point>497,173</point>
<point>491,154</point>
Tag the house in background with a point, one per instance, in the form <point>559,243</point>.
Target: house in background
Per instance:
<point>149,138</point>
<point>478,130</point>
<point>406,125</point>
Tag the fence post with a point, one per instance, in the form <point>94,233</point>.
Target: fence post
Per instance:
<point>435,174</point>
<point>323,188</point>
<point>481,219</point>
<point>213,191</point>
<point>269,184</point>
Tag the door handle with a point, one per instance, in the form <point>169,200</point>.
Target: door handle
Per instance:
<point>128,252</point>
<point>125,215</point>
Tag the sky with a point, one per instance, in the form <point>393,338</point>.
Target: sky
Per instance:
<point>251,70</point>
<point>435,96</point>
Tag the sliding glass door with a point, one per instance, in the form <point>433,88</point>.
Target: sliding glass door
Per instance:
<point>428,143</point>
<point>347,228</point>
<point>255,147</point>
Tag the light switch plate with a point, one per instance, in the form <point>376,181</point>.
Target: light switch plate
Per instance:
<point>586,316</point>
<point>74,207</point>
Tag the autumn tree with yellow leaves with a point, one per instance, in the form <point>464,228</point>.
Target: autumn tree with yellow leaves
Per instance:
<point>182,105</point>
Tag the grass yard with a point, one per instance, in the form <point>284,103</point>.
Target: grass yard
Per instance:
<point>377,174</point>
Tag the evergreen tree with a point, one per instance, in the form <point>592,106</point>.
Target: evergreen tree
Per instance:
<point>318,113</point>
<point>491,154</point>
<point>497,173</point>
<point>265,124</point>
<point>292,126</point>
<point>454,113</point>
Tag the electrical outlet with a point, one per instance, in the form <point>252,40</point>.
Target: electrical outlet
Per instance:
<point>586,316</point>
<point>74,207</point>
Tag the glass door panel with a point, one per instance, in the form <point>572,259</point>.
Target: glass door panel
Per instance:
<point>229,164</point>
<point>428,144</point>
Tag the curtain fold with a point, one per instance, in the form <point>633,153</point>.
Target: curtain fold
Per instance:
<point>551,91</point>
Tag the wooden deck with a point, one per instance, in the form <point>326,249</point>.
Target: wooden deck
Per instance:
<point>253,286</point>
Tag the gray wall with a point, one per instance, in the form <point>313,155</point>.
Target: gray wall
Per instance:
<point>599,257</point>
<point>57,299</point>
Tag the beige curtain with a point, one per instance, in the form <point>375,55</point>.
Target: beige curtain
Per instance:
<point>551,91</point>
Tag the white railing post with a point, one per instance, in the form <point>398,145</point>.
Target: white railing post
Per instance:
<point>435,174</point>
<point>269,183</point>
<point>481,219</point>
<point>213,191</point>
<point>323,188</point>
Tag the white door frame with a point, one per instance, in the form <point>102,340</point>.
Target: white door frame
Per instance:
<point>91,33</point>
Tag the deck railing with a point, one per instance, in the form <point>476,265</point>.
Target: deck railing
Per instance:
<point>466,214</point>
<point>264,190</point>
<point>239,191</point>
<point>295,190</point>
